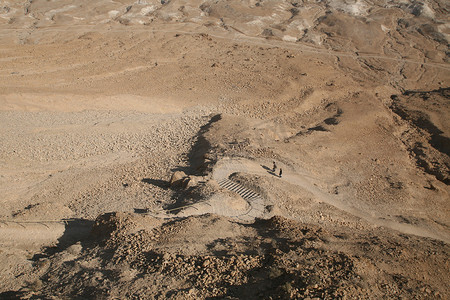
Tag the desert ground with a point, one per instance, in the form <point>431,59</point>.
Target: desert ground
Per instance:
<point>138,143</point>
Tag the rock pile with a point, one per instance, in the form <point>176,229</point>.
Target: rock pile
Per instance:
<point>130,256</point>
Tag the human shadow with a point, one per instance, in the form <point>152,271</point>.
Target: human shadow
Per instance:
<point>269,170</point>
<point>266,168</point>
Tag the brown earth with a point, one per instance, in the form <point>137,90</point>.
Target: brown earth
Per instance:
<point>102,101</point>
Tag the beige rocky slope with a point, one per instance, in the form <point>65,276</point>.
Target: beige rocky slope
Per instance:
<point>102,101</point>
<point>136,257</point>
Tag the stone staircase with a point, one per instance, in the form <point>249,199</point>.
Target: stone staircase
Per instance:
<point>255,201</point>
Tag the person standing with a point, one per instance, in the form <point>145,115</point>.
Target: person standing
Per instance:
<point>281,172</point>
<point>274,167</point>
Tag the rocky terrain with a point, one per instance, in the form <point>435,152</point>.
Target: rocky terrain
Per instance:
<point>138,140</point>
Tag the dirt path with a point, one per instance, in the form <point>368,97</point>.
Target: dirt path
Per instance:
<point>35,234</point>
<point>226,167</point>
<point>41,232</point>
<point>237,36</point>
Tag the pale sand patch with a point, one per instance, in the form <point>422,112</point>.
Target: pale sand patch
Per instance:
<point>76,103</point>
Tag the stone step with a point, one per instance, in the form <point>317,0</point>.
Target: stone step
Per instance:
<point>226,183</point>
<point>237,188</point>
<point>247,193</point>
<point>232,186</point>
<point>255,201</point>
<point>250,195</point>
<point>241,190</point>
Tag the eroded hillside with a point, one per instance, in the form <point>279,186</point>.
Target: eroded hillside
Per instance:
<point>139,137</point>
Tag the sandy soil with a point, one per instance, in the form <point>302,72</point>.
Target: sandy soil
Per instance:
<point>102,101</point>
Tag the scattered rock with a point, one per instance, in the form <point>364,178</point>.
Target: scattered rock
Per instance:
<point>177,178</point>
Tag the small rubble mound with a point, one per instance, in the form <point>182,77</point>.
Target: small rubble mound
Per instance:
<point>109,225</point>
<point>130,256</point>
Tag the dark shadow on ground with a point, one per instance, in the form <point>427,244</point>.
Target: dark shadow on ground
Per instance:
<point>269,170</point>
<point>420,116</point>
<point>317,128</point>
<point>180,196</point>
<point>266,168</point>
<point>197,156</point>
<point>12,295</point>
<point>424,94</point>
<point>157,182</point>
<point>76,230</point>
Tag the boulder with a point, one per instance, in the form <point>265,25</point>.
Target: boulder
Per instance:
<point>177,178</point>
<point>190,181</point>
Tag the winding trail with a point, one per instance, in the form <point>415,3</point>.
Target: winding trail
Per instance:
<point>227,166</point>
<point>236,36</point>
<point>39,233</point>
<point>43,232</point>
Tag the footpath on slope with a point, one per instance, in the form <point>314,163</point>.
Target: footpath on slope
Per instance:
<point>236,36</point>
<point>255,206</point>
<point>228,166</point>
